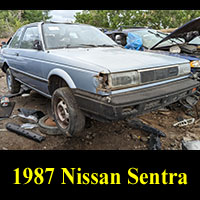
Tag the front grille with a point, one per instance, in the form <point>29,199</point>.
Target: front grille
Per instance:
<point>158,74</point>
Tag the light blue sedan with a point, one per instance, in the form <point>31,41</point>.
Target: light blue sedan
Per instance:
<point>86,73</point>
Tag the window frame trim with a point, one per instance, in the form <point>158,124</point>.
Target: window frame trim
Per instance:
<point>23,33</point>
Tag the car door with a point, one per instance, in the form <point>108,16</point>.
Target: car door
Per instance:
<point>31,59</point>
<point>11,52</point>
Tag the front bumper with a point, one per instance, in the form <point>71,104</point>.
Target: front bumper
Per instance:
<point>123,105</point>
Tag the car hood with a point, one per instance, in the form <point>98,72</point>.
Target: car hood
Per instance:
<point>188,32</point>
<point>115,59</point>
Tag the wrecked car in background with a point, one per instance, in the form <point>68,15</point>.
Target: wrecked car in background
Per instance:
<point>85,73</point>
<point>183,42</point>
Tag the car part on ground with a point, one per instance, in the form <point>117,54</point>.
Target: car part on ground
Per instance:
<point>29,126</point>
<point>184,122</point>
<point>138,124</point>
<point>30,116</point>
<point>154,142</point>
<point>23,90</point>
<point>155,134</point>
<point>20,131</point>
<point>48,126</point>
<point>189,102</point>
<point>5,112</point>
<point>191,145</point>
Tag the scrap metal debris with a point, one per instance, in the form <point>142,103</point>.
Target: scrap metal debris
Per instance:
<point>29,126</point>
<point>6,106</point>
<point>191,145</point>
<point>155,134</point>
<point>154,142</point>
<point>184,122</point>
<point>30,116</point>
<point>23,90</point>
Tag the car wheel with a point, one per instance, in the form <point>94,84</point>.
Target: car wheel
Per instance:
<point>12,85</point>
<point>67,115</point>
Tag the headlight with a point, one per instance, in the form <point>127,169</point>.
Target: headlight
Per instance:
<point>124,79</point>
<point>195,63</point>
<point>184,69</point>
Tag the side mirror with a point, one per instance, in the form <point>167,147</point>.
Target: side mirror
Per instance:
<point>3,44</point>
<point>37,45</point>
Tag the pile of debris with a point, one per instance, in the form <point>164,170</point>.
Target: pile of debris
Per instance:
<point>189,107</point>
<point>30,118</point>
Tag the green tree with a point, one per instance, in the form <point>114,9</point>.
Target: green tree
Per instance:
<point>11,20</point>
<point>35,15</point>
<point>157,19</point>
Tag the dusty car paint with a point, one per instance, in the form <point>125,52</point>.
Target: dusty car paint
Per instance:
<point>86,71</point>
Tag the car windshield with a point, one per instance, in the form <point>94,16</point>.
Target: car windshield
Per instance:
<point>150,37</point>
<point>73,36</point>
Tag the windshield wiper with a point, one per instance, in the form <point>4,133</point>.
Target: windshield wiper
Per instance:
<point>86,45</point>
<point>97,45</point>
<point>106,45</point>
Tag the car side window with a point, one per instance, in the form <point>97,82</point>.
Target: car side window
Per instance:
<point>30,36</point>
<point>16,39</point>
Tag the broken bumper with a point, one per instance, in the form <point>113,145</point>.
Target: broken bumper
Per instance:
<point>121,106</point>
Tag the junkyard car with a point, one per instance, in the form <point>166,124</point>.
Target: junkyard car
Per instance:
<point>85,73</point>
<point>184,42</point>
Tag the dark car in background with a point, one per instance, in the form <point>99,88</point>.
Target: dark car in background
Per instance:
<point>184,42</point>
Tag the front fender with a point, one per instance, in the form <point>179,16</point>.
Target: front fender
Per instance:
<point>64,75</point>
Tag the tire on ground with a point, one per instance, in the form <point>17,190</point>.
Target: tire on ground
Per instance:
<point>67,115</point>
<point>47,129</point>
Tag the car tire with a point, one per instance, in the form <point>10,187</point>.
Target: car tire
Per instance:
<point>12,85</point>
<point>47,129</point>
<point>67,115</point>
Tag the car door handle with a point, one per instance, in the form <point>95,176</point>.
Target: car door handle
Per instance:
<point>17,54</point>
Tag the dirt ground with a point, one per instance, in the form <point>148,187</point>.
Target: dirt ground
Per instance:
<point>99,136</point>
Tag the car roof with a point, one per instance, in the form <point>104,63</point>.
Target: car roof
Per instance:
<point>126,29</point>
<point>53,22</point>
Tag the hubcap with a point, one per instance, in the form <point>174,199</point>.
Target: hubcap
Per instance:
<point>62,114</point>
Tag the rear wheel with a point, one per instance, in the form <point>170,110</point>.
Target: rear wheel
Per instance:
<point>12,85</point>
<point>68,117</point>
